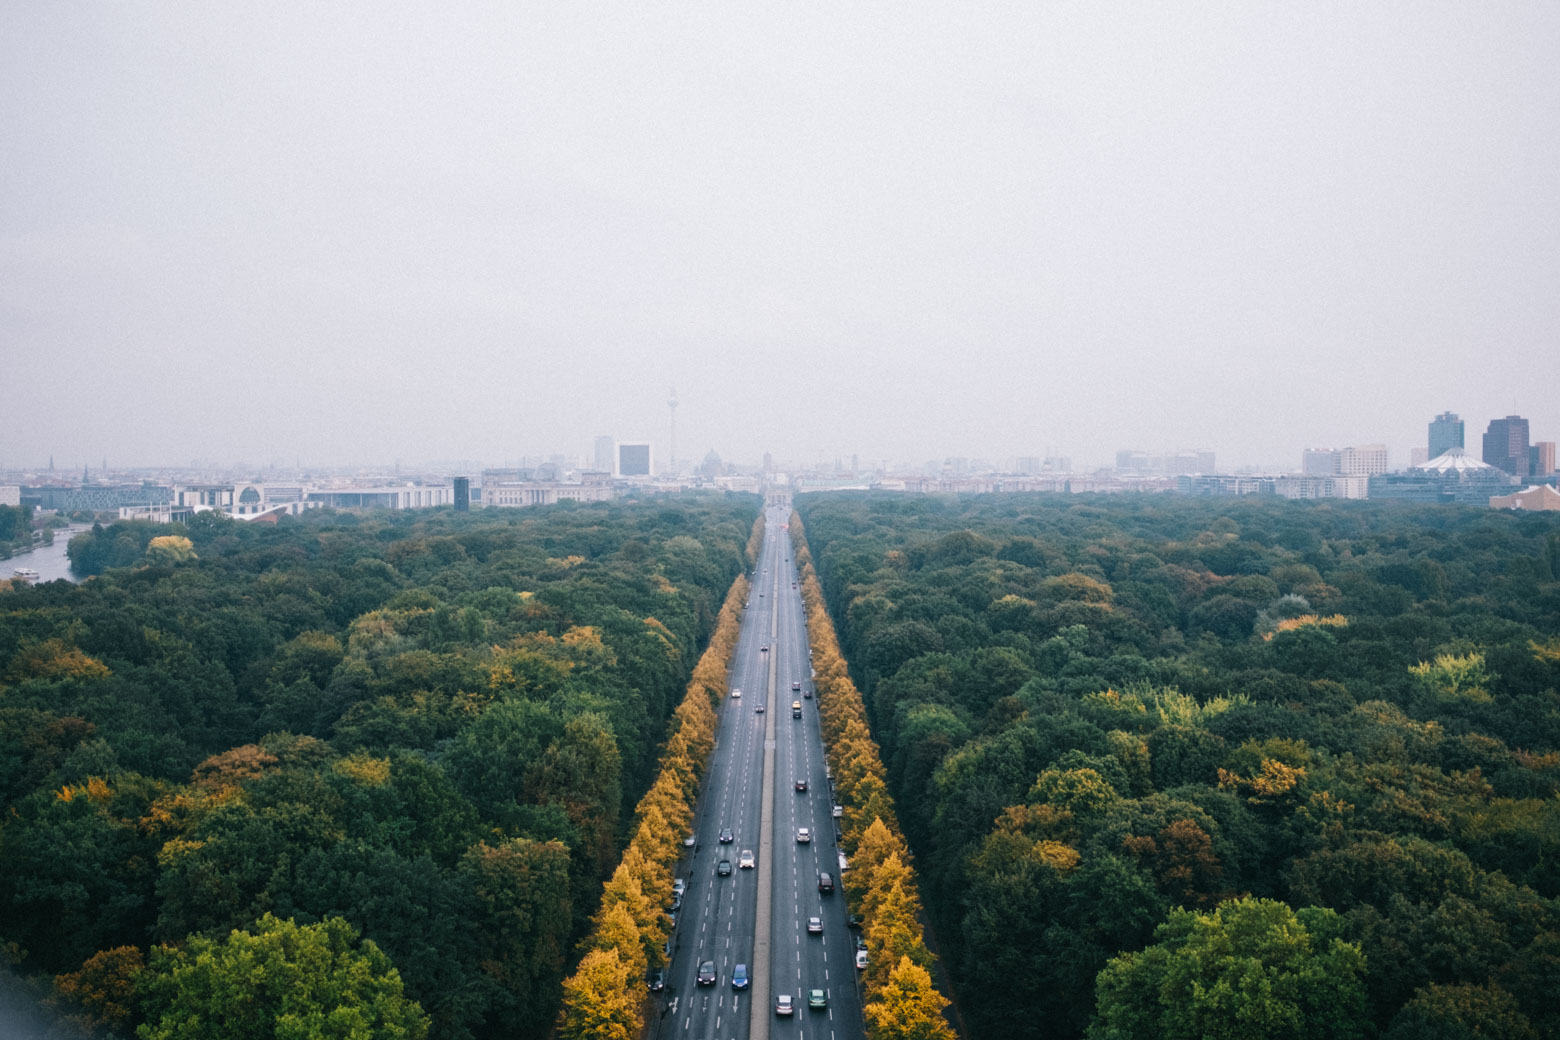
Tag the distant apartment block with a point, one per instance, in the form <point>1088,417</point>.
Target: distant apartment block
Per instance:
<point>1222,484</point>
<point>1321,462</point>
<point>1367,460</point>
<point>1332,485</point>
<point>1446,433</point>
<point>1506,445</point>
<point>1164,464</point>
<point>10,494</point>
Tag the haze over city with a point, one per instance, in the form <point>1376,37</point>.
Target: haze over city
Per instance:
<point>906,231</point>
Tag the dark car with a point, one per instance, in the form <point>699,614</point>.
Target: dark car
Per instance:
<point>765,648</point>
<point>758,709</point>
<point>825,882</point>
<point>723,868</point>
<point>726,837</point>
<point>707,973</point>
<point>657,981</point>
<point>801,785</point>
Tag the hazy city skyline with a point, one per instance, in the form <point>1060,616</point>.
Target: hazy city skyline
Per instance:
<point>902,231</point>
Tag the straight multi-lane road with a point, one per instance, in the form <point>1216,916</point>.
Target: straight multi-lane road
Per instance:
<point>757,916</point>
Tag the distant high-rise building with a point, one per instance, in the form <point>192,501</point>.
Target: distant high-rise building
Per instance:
<point>1321,462</point>
<point>1446,433</point>
<point>462,494</point>
<point>1506,445</point>
<point>1541,459</point>
<point>1367,460</point>
<point>633,460</point>
<point>605,450</point>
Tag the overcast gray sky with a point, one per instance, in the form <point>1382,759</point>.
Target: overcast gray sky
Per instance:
<point>369,231</point>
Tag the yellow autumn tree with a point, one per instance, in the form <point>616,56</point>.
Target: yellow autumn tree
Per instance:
<point>908,1007</point>
<point>600,1000</point>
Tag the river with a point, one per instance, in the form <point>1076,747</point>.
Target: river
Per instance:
<point>49,561</point>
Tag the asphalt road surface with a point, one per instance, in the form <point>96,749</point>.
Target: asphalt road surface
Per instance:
<point>757,917</point>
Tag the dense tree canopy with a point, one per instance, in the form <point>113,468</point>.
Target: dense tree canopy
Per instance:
<point>425,725</point>
<point>1111,711</point>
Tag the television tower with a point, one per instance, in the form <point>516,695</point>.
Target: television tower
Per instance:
<point>671,405</point>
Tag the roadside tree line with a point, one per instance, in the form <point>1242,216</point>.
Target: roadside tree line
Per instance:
<point>605,997</point>
<point>902,1002</point>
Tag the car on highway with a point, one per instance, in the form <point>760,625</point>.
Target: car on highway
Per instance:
<point>706,973</point>
<point>814,925</point>
<point>689,841</point>
<point>807,693</point>
<point>853,921</point>
<point>739,977</point>
<point>796,687</point>
<point>723,868</point>
<point>679,887</point>
<point>765,648</point>
<point>736,692</point>
<point>796,709</point>
<point>825,882</point>
<point>861,960</point>
<point>783,1004</point>
<point>801,785</point>
<point>656,981</point>
<point>844,862</point>
<point>837,811</point>
<point>758,709</point>
<point>817,999</point>
<point>745,860</point>
<point>726,837</point>
<point>803,835</point>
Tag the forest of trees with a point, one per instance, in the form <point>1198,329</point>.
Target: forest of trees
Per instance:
<point>383,763</point>
<point>1189,767</point>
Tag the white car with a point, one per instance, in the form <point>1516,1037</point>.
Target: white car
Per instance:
<point>745,860</point>
<point>736,692</point>
<point>815,926</point>
<point>783,1004</point>
<point>803,835</point>
<point>861,960</point>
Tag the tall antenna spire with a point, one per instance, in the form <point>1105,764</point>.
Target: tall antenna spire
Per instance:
<point>671,404</point>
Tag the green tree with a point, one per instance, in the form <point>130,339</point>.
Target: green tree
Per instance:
<point>1253,968</point>
<point>279,981</point>
<point>1461,1013</point>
